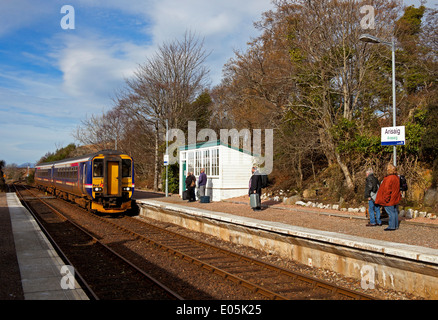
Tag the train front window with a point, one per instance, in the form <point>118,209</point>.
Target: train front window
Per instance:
<point>126,168</point>
<point>98,168</point>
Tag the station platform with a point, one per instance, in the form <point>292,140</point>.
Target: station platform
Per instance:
<point>34,271</point>
<point>393,260</point>
<point>30,268</point>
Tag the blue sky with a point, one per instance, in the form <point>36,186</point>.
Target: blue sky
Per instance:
<point>51,78</point>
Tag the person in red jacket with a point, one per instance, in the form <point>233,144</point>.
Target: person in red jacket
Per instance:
<point>389,196</point>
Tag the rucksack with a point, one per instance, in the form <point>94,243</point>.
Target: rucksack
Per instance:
<point>265,180</point>
<point>376,187</point>
<point>403,183</point>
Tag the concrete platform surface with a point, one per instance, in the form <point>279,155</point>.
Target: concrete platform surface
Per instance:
<point>391,265</point>
<point>417,253</point>
<point>39,264</point>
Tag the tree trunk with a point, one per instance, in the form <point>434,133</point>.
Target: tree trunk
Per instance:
<point>345,170</point>
<point>300,172</point>
<point>156,174</point>
<point>330,152</point>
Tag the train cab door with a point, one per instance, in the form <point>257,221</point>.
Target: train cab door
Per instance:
<point>113,178</point>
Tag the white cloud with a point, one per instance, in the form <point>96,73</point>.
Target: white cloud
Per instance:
<point>94,68</point>
<point>210,18</point>
<point>95,64</point>
<point>45,106</point>
<point>225,25</point>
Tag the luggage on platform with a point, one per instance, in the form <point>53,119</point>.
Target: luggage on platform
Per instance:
<point>205,199</point>
<point>254,200</point>
<point>186,195</point>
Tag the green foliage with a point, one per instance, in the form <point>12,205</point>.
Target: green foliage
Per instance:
<point>353,143</point>
<point>410,23</point>
<point>199,111</point>
<point>429,139</point>
<point>31,178</point>
<point>414,135</point>
<point>60,154</point>
<point>202,106</point>
<point>413,74</point>
<point>173,178</point>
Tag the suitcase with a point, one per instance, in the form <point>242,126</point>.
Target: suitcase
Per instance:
<point>205,199</point>
<point>185,195</point>
<point>254,200</point>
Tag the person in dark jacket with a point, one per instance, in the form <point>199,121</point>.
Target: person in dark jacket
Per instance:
<point>389,196</point>
<point>255,186</point>
<point>202,182</point>
<point>371,187</point>
<point>190,186</point>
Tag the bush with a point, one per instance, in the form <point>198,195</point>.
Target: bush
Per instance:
<point>173,178</point>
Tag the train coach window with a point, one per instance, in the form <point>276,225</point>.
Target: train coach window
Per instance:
<point>126,168</point>
<point>98,168</point>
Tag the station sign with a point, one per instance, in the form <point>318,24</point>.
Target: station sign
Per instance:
<point>393,136</point>
<point>166,159</point>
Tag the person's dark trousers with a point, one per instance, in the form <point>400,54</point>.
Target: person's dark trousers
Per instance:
<point>192,194</point>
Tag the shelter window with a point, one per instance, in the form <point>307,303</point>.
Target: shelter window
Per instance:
<point>206,156</point>
<point>208,159</point>
<point>190,162</point>
<point>198,163</point>
<point>215,162</point>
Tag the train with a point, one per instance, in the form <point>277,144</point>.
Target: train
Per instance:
<point>101,181</point>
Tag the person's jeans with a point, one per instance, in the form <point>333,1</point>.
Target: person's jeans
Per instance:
<point>201,190</point>
<point>374,208</point>
<point>393,217</point>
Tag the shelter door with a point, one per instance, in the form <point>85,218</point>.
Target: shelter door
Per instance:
<point>113,178</point>
<point>184,175</point>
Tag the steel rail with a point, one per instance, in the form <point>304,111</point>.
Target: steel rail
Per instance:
<point>292,274</point>
<point>254,287</point>
<point>80,279</point>
<point>236,279</point>
<point>168,291</point>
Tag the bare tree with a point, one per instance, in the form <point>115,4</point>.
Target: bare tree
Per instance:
<point>163,88</point>
<point>331,64</point>
<point>91,132</point>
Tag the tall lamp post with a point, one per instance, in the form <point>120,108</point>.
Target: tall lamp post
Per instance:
<point>167,156</point>
<point>371,39</point>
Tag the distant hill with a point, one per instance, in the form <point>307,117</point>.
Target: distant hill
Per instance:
<point>27,164</point>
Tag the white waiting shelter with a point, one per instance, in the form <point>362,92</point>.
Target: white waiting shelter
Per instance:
<point>228,169</point>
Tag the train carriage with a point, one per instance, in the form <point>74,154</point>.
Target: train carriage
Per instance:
<point>102,181</point>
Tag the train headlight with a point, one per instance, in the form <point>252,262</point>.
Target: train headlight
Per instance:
<point>97,189</point>
<point>126,188</point>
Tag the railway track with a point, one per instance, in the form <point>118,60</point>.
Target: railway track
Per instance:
<point>271,281</point>
<point>259,277</point>
<point>111,277</point>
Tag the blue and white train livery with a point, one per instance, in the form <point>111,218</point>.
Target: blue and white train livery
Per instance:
<point>102,181</point>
